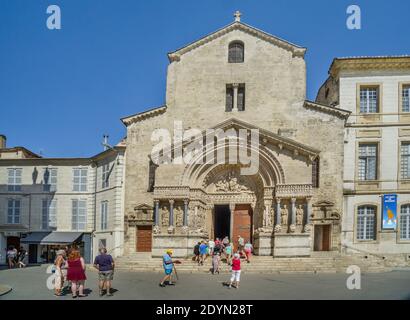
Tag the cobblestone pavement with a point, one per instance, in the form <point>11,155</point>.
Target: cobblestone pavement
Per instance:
<point>30,283</point>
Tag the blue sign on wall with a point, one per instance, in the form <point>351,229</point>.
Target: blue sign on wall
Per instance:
<point>389,211</point>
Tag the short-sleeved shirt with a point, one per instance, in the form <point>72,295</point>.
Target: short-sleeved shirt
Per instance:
<point>228,250</point>
<point>211,244</point>
<point>236,264</point>
<point>167,262</point>
<point>248,247</point>
<point>241,241</point>
<point>202,248</point>
<point>104,262</point>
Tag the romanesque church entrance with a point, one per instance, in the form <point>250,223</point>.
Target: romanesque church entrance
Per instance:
<point>222,222</point>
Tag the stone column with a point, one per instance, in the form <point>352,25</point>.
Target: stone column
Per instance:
<point>293,215</point>
<point>308,226</point>
<point>235,96</point>
<point>156,212</point>
<point>278,222</point>
<point>186,213</point>
<point>171,213</point>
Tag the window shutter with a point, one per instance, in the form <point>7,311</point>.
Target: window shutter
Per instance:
<point>229,99</point>
<point>315,173</point>
<point>241,98</point>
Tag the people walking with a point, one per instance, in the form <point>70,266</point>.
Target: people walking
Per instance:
<point>168,265</point>
<point>216,259</point>
<point>196,252</point>
<point>248,251</point>
<point>76,273</point>
<point>11,257</point>
<point>104,263</point>
<point>241,245</point>
<point>60,272</point>
<point>228,253</point>
<point>21,257</point>
<point>211,246</point>
<point>236,271</point>
<point>225,241</point>
<point>202,252</point>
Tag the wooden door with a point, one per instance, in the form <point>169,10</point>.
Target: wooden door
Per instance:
<point>144,238</point>
<point>322,238</point>
<point>242,223</point>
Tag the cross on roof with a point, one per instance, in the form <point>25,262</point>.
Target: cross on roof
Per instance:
<point>237,16</point>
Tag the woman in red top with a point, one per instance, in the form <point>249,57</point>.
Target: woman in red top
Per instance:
<point>76,273</point>
<point>236,271</point>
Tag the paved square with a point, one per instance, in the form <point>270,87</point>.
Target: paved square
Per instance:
<point>30,283</point>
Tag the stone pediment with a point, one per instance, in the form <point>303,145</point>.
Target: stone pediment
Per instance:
<point>266,136</point>
<point>262,35</point>
<point>142,213</point>
<point>323,204</point>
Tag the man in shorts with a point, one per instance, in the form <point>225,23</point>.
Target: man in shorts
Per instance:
<point>168,265</point>
<point>104,263</point>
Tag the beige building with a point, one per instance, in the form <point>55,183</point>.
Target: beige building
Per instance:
<point>46,202</point>
<point>376,91</point>
<point>236,79</point>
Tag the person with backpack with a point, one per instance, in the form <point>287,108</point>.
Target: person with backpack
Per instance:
<point>216,258</point>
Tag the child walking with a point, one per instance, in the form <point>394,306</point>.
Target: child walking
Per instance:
<point>236,271</point>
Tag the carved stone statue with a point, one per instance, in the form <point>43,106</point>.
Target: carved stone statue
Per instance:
<point>164,216</point>
<point>284,215</point>
<point>299,215</point>
<point>179,216</point>
<point>230,183</point>
<point>267,217</point>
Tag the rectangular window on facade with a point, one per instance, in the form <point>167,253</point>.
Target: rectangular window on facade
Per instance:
<point>369,99</point>
<point>105,181</point>
<point>229,98</point>
<point>241,97</point>
<point>13,211</point>
<point>405,222</point>
<point>79,215</point>
<point>315,173</point>
<point>50,180</point>
<point>366,223</point>
<point>14,179</point>
<point>104,215</point>
<point>405,102</point>
<point>368,162</point>
<point>49,214</point>
<point>405,160</point>
<point>80,179</point>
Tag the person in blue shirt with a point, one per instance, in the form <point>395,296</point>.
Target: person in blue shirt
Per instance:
<point>168,265</point>
<point>203,250</point>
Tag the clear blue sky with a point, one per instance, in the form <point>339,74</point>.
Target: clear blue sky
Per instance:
<point>61,90</point>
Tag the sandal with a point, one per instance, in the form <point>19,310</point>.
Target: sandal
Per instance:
<point>82,295</point>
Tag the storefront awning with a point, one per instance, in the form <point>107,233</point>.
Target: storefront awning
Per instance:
<point>61,238</point>
<point>50,238</point>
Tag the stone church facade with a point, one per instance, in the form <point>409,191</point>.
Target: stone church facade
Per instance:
<point>237,79</point>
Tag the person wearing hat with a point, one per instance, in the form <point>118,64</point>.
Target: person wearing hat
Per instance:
<point>236,271</point>
<point>168,265</point>
<point>60,273</point>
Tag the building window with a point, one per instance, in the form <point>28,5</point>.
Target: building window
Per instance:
<point>241,97</point>
<point>151,175</point>
<point>405,222</point>
<point>366,223</point>
<point>50,180</point>
<point>80,179</point>
<point>406,98</point>
<point>79,215</point>
<point>104,215</point>
<point>315,173</point>
<point>236,52</point>
<point>405,160</point>
<point>13,211</point>
<point>14,179</point>
<point>235,93</point>
<point>229,98</point>
<point>49,214</point>
<point>368,162</point>
<point>369,100</point>
<point>105,178</point>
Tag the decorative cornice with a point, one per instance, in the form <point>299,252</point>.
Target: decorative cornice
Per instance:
<point>295,49</point>
<point>143,115</point>
<point>341,113</point>
<point>294,191</point>
<point>369,63</point>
